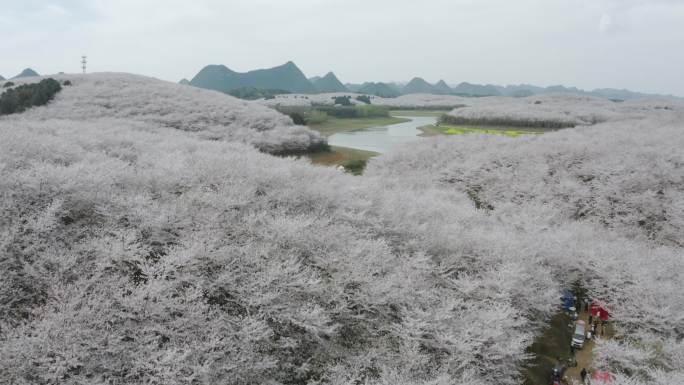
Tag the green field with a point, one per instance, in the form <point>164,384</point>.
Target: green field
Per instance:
<point>335,125</point>
<point>418,113</point>
<point>432,130</point>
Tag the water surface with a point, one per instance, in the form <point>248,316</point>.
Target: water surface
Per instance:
<point>381,139</point>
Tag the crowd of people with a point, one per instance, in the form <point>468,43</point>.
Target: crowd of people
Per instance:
<point>596,327</point>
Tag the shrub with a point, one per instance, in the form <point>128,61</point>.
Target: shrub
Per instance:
<point>316,117</point>
<point>342,100</point>
<point>370,111</point>
<point>344,112</point>
<point>8,84</point>
<point>356,166</point>
<point>26,96</point>
<point>364,99</point>
<point>66,83</point>
<point>297,118</point>
<point>253,93</point>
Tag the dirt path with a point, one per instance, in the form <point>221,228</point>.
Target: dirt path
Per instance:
<point>585,357</point>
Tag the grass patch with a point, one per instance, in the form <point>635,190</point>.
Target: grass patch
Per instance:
<point>419,113</point>
<point>334,125</point>
<point>432,130</point>
<point>352,159</point>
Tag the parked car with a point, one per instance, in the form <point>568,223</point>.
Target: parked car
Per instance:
<point>579,335</point>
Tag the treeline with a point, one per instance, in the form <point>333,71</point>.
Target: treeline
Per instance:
<point>505,122</point>
<point>253,93</point>
<point>25,96</point>
<point>320,113</point>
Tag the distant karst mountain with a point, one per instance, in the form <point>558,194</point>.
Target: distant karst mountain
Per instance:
<point>441,88</point>
<point>524,90</point>
<point>286,77</point>
<point>1,78</point>
<point>328,83</point>
<point>418,86</point>
<point>469,89</point>
<point>27,73</point>
<point>379,89</point>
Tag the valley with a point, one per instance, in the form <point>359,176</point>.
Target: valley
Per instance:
<point>161,233</point>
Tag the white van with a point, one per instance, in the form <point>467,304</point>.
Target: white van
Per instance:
<point>578,335</point>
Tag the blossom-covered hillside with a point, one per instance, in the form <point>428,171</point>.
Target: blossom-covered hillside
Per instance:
<point>616,188</point>
<point>554,111</point>
<point>209,114</point>
<point>135,250</point>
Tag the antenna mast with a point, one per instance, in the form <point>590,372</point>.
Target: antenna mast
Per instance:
<point>84,61</point>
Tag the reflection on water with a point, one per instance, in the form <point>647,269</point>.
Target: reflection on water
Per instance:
<point>381,139</point>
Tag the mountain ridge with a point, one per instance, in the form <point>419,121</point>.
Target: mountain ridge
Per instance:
<point>286,77</point>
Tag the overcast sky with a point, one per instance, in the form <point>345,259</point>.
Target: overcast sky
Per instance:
<point>635,44</point>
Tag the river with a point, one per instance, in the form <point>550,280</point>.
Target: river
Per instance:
<point>382,138</point>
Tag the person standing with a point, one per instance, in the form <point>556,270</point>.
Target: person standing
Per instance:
<point>583,373</point>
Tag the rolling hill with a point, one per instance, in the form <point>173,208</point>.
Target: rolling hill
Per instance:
<point>144,240</point>
<point>286,77</point>
<point>202,113</point>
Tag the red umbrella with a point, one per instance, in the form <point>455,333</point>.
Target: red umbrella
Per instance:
<point>600,310</point>
<point>594,309</point>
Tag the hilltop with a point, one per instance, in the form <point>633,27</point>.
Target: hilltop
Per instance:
<point>286,77</point>
<point>441,88</point>
<point>418,86</point>
<point>329,83</point>
<point>27,73</point>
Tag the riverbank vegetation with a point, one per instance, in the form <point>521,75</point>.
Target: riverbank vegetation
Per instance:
<point>351,159</point>
<point>329,120</point>
<point>419,112</point>
<point>442,129</point>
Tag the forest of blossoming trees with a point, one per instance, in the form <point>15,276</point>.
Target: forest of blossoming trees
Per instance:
<point>147,237</point>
